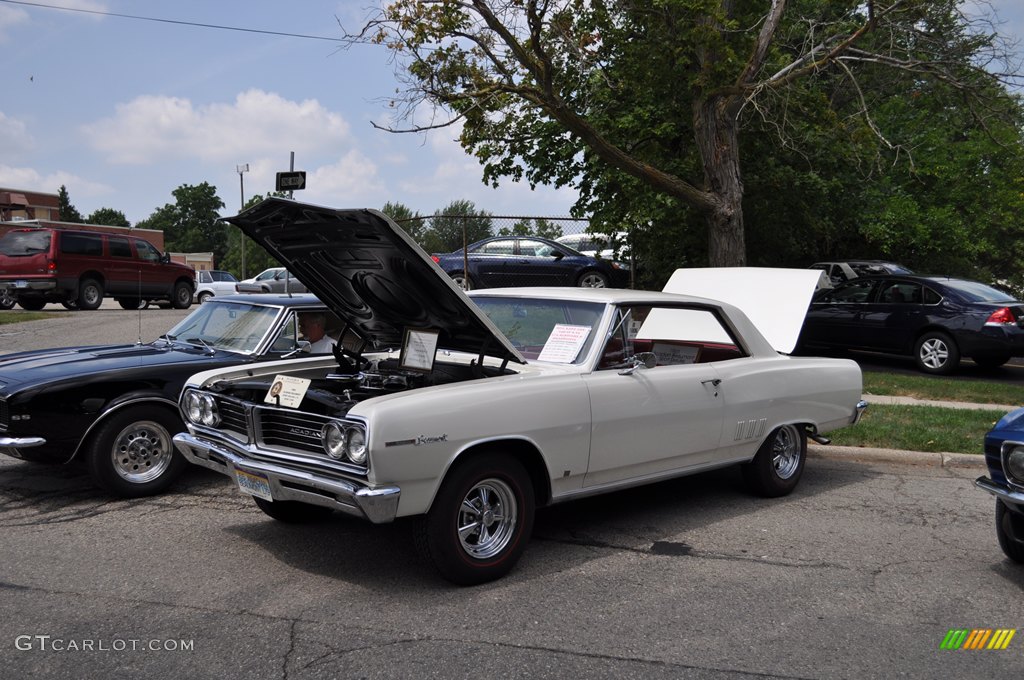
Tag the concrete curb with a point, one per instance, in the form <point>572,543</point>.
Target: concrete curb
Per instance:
<point>910,401</point>
<point>860,454</point>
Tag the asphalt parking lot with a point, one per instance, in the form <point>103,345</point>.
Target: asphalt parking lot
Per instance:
<point>861,573</point>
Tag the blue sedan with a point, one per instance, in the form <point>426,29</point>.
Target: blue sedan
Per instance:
<point>1004,456</point>
<point>504,261</point>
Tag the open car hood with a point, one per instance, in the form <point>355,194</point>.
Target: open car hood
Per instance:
<point>371,274</point>
<point>774,299</point>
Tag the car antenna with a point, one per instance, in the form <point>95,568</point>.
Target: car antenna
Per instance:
<point>139,306</point>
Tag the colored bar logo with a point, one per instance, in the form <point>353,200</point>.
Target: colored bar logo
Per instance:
<point>978,638</point>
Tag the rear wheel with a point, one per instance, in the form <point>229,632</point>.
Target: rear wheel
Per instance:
<point>778,464</point>
<point>293,512</point>
<point>182,296</point>
<point>204,296</point>
<point>592,279</point>
<point>31,305</point>
<point>70,304</point>
<point>132,303</point>
<point>6,299</point>
<point>90,294</point>
<point>1009,532</point>
<point>462,280</point>
<point>132,453</point>
<point>936,353</point>
<point>479,524</point>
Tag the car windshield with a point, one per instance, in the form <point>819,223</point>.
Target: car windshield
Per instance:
<point>232,326</point>
<point>976,292</point>
<point>561,331</point>
<point>21,243</point>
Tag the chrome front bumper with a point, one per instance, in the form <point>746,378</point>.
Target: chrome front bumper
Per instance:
<point>9,445</point>
<point>378,505</point>
<point>1001,491</point>
<point>858,411</point>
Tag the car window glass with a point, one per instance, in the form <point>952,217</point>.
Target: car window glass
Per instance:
<point>119,246</point>
<point>497,248</point>
<point>21,243</point>
<point>532,248</point>
<point>226,325</point>
<point>146,250</point>
<point>204,276</point>
<point>223,276</point>
<point>931,297</point>
<point>855,291</point>
<point>977,292</point>
<point>529,324</point>
<point>897,292</point>
<point>676,335</point>
<point>81,244</point>
<point>268,274</point>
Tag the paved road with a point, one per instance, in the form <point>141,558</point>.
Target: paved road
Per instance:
<point>860,574</point>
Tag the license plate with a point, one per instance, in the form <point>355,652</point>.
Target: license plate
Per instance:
<point>21,284</point>
<point>254,484</point>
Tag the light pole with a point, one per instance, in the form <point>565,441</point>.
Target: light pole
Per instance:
<point>242,169</point>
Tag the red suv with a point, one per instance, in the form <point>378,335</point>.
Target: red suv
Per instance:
<point>80,268</point>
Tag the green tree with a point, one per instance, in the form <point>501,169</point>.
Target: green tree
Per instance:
<point>532,227</point>
<point>190,223</point>
<point>65,211</point>
<point>654,95</point>
<point>256,258</point>
<point>413,223</point>
<point>458,224</point>
<point>109,217</point>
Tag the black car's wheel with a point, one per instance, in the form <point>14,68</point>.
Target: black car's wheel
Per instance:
<point>90,294</point>
<point>463,280</point>
<point>1010,532</point>
<point>70,304</point>
<point>204,296</point>
<point>293,512</point>
<point>182,296</point>
<point>936,353</point>
<point>479,524</point>
<point>132,303</point>
<point>592,279</point>
<point>132,454</point>
<point>991,360</point>
<point>778,464</point>
<point>31,305</point>
<point>6,299</point>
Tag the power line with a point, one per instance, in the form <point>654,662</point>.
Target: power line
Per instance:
<point>172,21</point>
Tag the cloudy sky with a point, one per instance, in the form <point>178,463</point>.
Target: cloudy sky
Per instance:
<point>122,111</point>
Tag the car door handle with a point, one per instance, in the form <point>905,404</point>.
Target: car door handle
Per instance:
<point>714,382</point>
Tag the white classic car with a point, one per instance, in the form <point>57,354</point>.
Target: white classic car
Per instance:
<point>473,413</point>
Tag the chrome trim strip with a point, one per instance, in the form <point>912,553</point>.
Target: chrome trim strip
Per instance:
<point>858,411</point>
<point>1003,493</point>
<point>103,415</point>
<point>376,504</point>
<point>21,442</point>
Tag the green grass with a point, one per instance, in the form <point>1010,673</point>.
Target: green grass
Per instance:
<point>16,316</point>
<point>919,428</point>
<point>942,389</point>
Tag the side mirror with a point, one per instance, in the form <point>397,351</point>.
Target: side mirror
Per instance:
<point>638,361</point>
<point>558,255</point>
<point>165,258</point>
<point>301,347</point>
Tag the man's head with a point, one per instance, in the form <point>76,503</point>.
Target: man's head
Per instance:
<point>311,325</point>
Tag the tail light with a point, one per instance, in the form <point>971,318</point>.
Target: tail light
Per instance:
<point>51,267</point>
<point>436,259</point>
<point>1001,317</point>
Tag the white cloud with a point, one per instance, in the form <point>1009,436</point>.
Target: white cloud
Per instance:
<point>15,138</point>
<point>10,18</point>
<point>151,127</point>
<point>30,179</point>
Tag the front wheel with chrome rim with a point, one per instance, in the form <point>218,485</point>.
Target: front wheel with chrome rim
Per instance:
<point>779,463</point>
<point>592,279</point>
<point>132,454</point>
<point>480,521</point>
<point>935,352</point>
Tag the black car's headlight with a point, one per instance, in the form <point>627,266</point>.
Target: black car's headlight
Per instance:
<point>1013,464</point>
<point>344,441</point>
<point>201,409</point>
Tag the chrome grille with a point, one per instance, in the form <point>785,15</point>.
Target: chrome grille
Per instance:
<point>5,416</point>
<point>232,416</point>
<point>290,429</point>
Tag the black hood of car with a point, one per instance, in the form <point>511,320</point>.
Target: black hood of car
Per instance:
<point>371,274</point>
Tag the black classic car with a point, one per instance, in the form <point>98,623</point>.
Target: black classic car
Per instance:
<point>114,407</point>
<point>935,319</point>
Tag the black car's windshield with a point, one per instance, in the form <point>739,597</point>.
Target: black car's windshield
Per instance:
<point>534,326</point>
<point>976,292</point>
<point>21,243</point>
<point>233,326</point>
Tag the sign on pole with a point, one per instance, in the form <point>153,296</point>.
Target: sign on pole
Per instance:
<point>291,181</point>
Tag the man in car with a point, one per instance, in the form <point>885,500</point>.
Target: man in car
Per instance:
<point>312,326</point>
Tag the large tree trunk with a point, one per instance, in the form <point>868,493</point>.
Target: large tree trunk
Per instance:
<point>716,132</point>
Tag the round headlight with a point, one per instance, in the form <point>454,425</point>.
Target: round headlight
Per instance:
<point>208,408</point>
<point>333,438</point>
<point>357,446</point>
<point>1015,465</point>
<point>193,407</point>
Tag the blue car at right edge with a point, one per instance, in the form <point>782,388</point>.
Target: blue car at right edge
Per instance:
<point>1004,456</point>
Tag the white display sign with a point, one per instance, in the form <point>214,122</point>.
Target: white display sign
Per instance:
<point>418,350</point>
<point>564,343</point>
<point>287,390</point>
